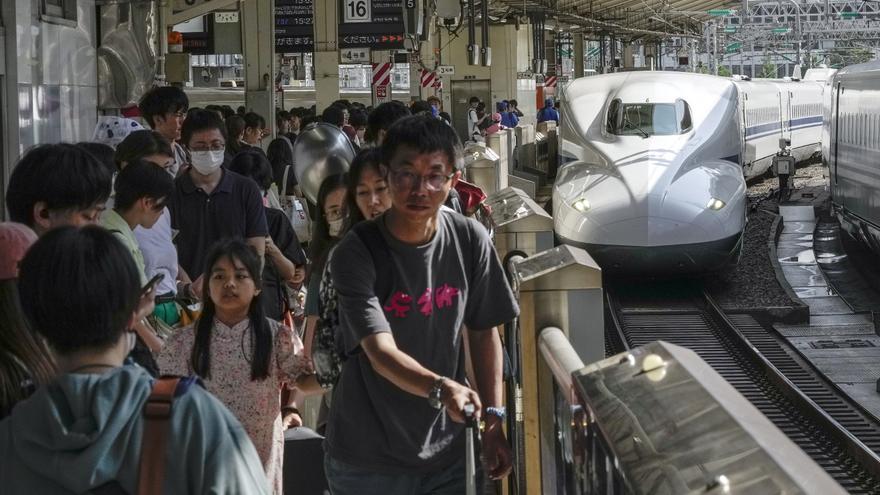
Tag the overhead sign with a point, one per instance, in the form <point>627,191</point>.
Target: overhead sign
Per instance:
<point>357,11</point>
<point>525,75</point>
<point>721,12</point>
<point>294,26</point>
<point>733,47</point>
<point>383,29</point>
<point>446,70</point>
<point>354,55</point>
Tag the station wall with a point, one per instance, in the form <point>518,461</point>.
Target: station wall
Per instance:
<point>49,78</point>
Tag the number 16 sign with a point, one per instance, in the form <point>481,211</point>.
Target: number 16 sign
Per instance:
<point>357,11</point>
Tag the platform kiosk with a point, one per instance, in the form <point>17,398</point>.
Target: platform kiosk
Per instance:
<point>560,287</point>
<point>520,223</point>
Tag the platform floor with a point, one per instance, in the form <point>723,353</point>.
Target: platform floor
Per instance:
<point>839,342</point>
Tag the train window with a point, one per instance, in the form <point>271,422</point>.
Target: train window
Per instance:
<point>648,119</point>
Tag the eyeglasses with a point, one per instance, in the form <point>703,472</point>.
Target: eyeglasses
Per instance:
<point>404,179</point>
<point>209,147</point>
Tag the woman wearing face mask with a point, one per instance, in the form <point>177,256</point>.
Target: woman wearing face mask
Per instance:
<point>326,231</point>
<point>366,198</point>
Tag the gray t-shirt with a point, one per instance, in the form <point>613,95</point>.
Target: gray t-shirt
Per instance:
<point>373,423</point>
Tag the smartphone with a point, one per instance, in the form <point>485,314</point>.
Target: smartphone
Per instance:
<point>152,283</point>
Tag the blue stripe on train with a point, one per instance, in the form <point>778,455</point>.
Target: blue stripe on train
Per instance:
<point>762,130</point>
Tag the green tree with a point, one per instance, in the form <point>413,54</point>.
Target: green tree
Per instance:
<point>724,71</point>
<point>769,69</point>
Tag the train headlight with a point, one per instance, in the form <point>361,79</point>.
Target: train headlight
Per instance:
<point>715,204</point>
<point>581,205</point>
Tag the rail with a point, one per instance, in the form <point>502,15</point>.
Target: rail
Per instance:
<point>559,355</point>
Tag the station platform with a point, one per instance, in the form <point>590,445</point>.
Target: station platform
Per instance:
<point>840,342</point>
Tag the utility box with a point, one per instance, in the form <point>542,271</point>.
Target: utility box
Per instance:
<point>485,168</point>
<point>560,287</point>
<point>177,67</point>
<point>520,223</point>
<point>550,130</point>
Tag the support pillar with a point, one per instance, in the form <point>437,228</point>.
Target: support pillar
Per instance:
<point>326,61</point>
<point>628,59</point>
<point>258,45</point>
<point>578,54</point>
<point>426,55</point>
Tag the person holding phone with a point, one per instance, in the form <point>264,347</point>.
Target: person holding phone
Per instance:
<point>141,192</point>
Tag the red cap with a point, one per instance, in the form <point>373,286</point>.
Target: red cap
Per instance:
<point>15,240</point>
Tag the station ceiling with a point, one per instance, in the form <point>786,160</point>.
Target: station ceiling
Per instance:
<point>626,19</point>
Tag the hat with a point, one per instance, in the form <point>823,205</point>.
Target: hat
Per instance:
<point>113,130</point>
<point>15,240</point>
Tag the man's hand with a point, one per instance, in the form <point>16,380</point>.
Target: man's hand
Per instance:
<point>496,450</point>
<point>455,396</point>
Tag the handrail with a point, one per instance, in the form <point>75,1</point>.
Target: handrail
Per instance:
<point>560,356</point>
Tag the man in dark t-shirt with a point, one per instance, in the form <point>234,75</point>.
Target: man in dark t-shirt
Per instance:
<point>395,424</point>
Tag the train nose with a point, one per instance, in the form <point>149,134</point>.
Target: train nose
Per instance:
<point>643,209</point>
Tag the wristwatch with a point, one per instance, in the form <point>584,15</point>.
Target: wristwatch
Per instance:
<point>434,394</point>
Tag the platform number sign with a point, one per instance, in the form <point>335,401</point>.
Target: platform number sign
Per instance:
<point>357,11</point>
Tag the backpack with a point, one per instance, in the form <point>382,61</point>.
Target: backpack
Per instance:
<point>154,443</point>
<point>328,350</point>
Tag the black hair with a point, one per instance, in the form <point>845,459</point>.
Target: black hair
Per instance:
<point>241,110</point>
<point>161,101</point>
<point>254,120</point>
<point>139,144</point>
<point>259,331</point>
<point>216,109</point>
<point>358,118</point>
<point>102,152</point>
<point>234,127</point>
<point>424,134</point>
<point>346,104</point>
<point>198,121</point>
<point>227,111</point>
<point>366,158</point>
<point>512,103</point>
<point>281,116</point>
<point>420,106</point>
<point>382,117</point>
<point>64,176</point>
<point>79,288</point>
<point>280,155</point>
<point>334,114</point>
<point>321,241</point>
<point>141,179</point>
<point>473,100</point>
<point>252,163</point>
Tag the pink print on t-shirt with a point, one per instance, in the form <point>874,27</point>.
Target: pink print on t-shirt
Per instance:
<point>400,304</point>
<point>424,302</point>
<point>444,296</point>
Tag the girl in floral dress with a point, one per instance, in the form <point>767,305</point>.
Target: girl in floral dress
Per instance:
<point>243,357</point>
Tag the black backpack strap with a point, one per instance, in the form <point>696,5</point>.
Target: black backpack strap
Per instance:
<point>368,232</point>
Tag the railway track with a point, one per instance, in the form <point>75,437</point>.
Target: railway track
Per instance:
<point>832,431</point>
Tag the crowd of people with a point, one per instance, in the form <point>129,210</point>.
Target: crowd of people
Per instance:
<point>162,252</point>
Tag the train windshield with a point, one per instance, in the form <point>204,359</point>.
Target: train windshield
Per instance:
<point>648,119</point>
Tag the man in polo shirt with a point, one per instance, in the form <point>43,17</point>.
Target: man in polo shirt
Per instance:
<point>210,203</point>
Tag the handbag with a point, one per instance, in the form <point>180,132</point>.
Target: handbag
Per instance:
<point>295,209</point>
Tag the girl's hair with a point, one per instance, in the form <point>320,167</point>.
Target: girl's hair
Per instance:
<point>366,158</point>
<point>139,144</point>
<point>24,356</point>
<point>259,331</point>
<point>321,242</point>
<point>252,163</point>
<point>280,154</point>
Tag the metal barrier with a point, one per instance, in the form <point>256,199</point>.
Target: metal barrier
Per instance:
<point>485,168</point>
<point>520,223</point>
<point>658,419</point>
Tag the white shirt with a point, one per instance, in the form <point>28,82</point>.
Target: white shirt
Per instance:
<point>160,255</point>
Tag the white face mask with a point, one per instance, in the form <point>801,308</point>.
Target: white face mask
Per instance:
<point>335,227</point>
<point>207,162</point>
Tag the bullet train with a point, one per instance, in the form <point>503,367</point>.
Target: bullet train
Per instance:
<point>853,126</point>
<point>655,164</point>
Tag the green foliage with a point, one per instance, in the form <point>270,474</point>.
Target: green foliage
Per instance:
<point>724,71</point>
